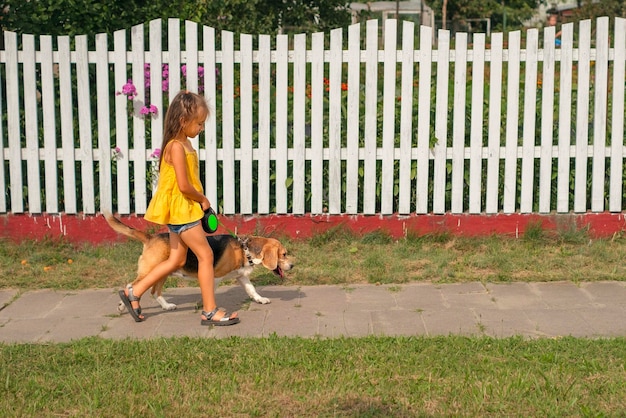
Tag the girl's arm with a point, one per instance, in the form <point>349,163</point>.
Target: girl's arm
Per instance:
<point>177,153</point>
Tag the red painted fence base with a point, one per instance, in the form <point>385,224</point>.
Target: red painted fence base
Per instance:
<point>94,229</point>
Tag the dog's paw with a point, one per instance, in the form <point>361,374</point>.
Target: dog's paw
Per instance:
<point>262,300</point>
<point>165,304</point>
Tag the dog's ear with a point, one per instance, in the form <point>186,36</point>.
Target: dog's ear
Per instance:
<point>270,256</point>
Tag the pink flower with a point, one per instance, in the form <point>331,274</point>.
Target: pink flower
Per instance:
<point>144,110</point>
<point>156,153</point>
<point>153,109</point>
<point>129,90</point>
<point>183,70</point>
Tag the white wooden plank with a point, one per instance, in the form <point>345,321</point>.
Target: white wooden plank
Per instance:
<point>85,153</point>
<point>155,92</point>
<point>299,94</point>
<point>334,122</point>
<point>530,106</point>
<point>423,119</point>
<point>389,113</point>
<point>459,116</point>
<point>245,125</point>
<point>282,79</point>
<point>495,122</point>
<point>31,124</point>
<point>121,158</point>
<point>48,96</point>
<point>191,64</point>
<point>228,122</point>
<point>547,120</point>
<point>601,86</point>
<point>353,113</point>
<point>512,123</point>
<point>441,123</point>
<point>565,118</point>
<point>67,126</point>
<point>139,125</point>
<point>173,57</point>
<point>371,102</point>
<point>318,204</point>
<point>14,152</point>
<point>264,131</point>
<point>104,123</point>
<point>477,124</point>
<point>3,184</point>
<point>582,117</point>
<point>209,153</point>
<point>617,117</point>
<point>406,116</point>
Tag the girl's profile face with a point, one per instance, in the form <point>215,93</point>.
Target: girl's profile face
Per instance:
<point>193,127</point>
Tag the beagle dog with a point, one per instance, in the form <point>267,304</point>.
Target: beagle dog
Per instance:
<point>233,258</point>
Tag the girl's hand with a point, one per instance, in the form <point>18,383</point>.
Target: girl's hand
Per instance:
<point>205,204</point>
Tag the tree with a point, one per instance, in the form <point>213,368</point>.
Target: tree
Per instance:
<point>516,12</point>
<point>74,17</point>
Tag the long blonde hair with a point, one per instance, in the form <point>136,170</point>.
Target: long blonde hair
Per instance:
<point>184,107</point>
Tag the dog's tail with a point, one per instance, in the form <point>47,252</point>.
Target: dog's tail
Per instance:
<point>121,228</point>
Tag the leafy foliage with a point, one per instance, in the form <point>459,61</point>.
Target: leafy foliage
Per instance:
<point>77,17</point>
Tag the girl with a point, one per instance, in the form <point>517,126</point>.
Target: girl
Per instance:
<point>175,204</point>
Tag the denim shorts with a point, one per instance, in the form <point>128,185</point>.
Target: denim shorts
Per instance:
<point>177,229</point>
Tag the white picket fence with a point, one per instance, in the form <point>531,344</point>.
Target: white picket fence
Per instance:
<point>322,124</point>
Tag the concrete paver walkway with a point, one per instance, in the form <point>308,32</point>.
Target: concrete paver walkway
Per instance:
<point>534,310</point>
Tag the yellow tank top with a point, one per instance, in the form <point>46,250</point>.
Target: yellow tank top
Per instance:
<point>169,205</point>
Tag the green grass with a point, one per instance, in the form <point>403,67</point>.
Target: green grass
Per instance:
<point>365,377</point>
<point>347,259</point>
<point>369,377</point>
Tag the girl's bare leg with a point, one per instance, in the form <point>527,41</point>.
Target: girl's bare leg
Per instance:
<point>195,239</point>
<point>178,255</point>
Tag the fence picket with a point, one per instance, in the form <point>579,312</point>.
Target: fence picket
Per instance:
<point>530,105</point>
<point>406,118</point>
<point>14,153</point>
<point>617,119</point>
<point>245,164</point>
<point>31,125</point>
<point>228,121</point>
<point>122,155</point>
<point>105,191</point>
<point>495,122</point>
<point>423,120</point>
<point>565,118</point>
<point>601,87</point>
<point>299,125</point>
<point>441,123</point>
<point>477,124</point>
<point>371,132</point>
<point>85,154</point>
<point>209,153</point>
<point>547,120</point>
<point>139,125</point>
<point>317,123</point>
<point>512,124</point>
<point>458,123</point>
<point>389,114</point>
<point>264,131</point>
<point>334,122</point>
<point>67,126</point>
<point>582,117</point>
<point>352,114</point>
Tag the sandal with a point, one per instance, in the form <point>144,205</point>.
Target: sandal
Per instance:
<point>127,299</point>
<point>225,320</point>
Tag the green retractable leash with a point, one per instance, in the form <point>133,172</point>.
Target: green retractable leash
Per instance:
<point>210,222</point>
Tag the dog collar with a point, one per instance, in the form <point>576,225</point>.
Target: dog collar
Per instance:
<point>246,251</point>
